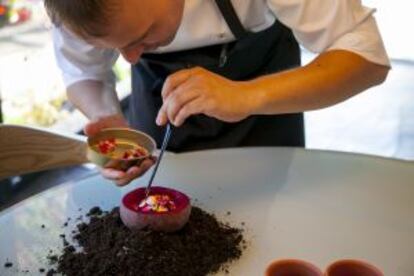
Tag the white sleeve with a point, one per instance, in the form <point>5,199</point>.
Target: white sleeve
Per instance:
<point>81,61</point>
<point>321,25</point>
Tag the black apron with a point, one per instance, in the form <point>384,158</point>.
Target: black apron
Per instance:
<point>250,56</point>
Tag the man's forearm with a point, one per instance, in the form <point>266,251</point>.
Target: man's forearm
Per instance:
<point>331,78</point>
<point>94,99</point>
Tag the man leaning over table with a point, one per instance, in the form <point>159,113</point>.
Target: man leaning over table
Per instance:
<point>225,73</point>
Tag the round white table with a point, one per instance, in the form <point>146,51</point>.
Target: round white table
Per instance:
<point>312,205</point>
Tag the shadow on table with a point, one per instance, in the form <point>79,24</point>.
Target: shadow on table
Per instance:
<point>18,188</point>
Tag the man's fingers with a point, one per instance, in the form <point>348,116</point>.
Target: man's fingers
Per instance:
<point>162,117</point>
<point>179,99</point>
<point>122,178</point>
<point>134,172</point>
<point>94,127</point>
<point>191,108</point>
<point>112,174</point>
<point>174,80</point>
<point>146,164</point>
<point>172,105</point>
<point>130,175</point>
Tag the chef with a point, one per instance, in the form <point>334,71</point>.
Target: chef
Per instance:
<point>225,73</point>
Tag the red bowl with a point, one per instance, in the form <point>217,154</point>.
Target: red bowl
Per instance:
<point>292,267</point>
<point>135,219</point>
<point>352,268</point>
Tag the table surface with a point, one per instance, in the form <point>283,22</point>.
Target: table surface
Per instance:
<point>312,205</point>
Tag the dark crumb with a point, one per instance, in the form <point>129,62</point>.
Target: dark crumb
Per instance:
<point>65,224</point>
<point>43,226</point>
<point>228,213</point>
<point>51,272</point>
<point>42,270</point>
<point>202,247</point>
<point>52,259</point>
<point>95,211</point>
<point>62,236</point>
<point>8,264</point>
<point>243,223</point>
<point>80,209</point>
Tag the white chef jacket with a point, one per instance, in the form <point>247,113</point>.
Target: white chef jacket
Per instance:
<point>318,25</point>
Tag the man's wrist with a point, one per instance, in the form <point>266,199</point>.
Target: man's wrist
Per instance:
<point>94,99</point>
<point>255,97</point>
<point>102,114</point>
<point>115,117</point>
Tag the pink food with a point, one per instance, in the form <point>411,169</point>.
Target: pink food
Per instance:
<point>164,210</point>
<point>137,152</point>
<point>157,203</point>
<point>107,146</point>
<point>112,148</point>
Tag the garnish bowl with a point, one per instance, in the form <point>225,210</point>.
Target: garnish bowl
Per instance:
<point>126,139</point>
<point>136,219</point>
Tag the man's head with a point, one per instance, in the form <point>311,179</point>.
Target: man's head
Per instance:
<point>131,26</point>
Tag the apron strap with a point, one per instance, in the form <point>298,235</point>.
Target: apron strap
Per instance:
<point>232,20</point>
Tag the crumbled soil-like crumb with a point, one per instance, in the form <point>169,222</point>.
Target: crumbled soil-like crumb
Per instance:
<point>8,264</point>
<point>107,247</point>
<point>52,259</point>
<point>42,270</point>
<point>95,211</point>
<point>51,272</point>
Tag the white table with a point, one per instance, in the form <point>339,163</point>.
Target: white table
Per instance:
<point>312,205</point>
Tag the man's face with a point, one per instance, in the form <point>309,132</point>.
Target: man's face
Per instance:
<point>141,25</point>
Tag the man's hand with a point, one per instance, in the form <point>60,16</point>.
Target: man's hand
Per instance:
<point>93,127</point>
<point>198,91</point>
<point>121,178</point>
<point>332,77</point>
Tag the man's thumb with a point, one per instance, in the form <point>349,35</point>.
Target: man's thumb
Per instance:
<point>92,128</point>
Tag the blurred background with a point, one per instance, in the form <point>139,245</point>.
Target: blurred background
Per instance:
<point>377,122</point>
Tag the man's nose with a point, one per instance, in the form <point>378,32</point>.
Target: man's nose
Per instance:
<point>132,55</point>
